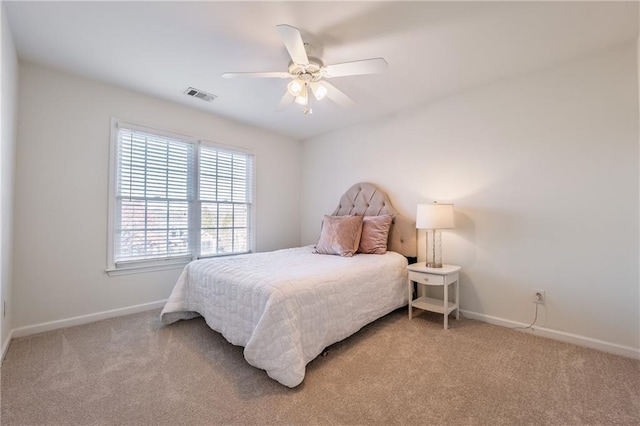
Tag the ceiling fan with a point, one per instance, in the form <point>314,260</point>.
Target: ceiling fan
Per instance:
<point>309,74</point>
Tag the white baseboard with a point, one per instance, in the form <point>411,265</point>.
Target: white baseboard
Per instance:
<point>83,319</point>
<point>5,346</point>
<point>562,336</point>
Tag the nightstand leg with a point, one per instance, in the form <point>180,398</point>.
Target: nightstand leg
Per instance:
<point>457,300</point>
<point>446,306</point>
<point>410,292</point>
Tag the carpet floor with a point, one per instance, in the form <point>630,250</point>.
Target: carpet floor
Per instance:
<point>133,370</point>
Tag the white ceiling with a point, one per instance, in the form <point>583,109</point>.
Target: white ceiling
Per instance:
<point>434,49</point>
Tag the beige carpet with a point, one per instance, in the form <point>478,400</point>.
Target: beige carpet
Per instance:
<point>132,370</point>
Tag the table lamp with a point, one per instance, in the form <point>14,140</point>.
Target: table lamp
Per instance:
<point>434,217</point>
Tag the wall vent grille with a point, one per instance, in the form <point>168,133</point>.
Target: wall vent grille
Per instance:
<point>208,97</point>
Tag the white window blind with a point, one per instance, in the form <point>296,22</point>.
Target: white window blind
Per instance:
<point>153,196</point>
<point>225,201</point>
<point>156,216</point>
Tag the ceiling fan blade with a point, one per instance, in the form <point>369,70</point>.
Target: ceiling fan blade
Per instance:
<point>294,44</point>
<point>336,95</point>
<point>286,100</point>
<point>365,66</point>
<point>274,74</point>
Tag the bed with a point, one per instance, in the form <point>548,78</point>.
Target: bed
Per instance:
<point>285,307</point>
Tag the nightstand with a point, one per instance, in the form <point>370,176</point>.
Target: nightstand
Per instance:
<point>443,277</point>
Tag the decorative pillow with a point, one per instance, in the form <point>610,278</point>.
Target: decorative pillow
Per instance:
<point>375,234</point>
<point>340,235</point>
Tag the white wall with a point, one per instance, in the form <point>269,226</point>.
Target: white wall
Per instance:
<point>543,171</point>
<point>62,163</point>
<point>7,153</point>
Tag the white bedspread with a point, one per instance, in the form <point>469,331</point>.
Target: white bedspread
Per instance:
<point>286,306</point>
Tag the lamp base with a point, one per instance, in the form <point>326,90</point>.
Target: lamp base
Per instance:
<point>435,260</point>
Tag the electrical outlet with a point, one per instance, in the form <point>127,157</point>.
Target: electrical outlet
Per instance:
<point>538,296</point>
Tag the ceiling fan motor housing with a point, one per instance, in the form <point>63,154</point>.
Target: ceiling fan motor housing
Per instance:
<point>311,72</point>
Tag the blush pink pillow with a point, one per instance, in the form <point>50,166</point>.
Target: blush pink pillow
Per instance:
<point>375,234</point>
<point>340,235</point>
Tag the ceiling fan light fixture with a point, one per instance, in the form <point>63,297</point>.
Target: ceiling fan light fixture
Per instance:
<point>302,100</point>
<point>295,87</point>
<point>319,92</point>
<point>303,97</point>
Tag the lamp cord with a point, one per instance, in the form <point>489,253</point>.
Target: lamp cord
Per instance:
<point>530,325</point>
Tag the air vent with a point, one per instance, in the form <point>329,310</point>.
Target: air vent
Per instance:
<point>200,94</point>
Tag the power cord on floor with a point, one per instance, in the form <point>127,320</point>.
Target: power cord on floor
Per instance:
<point>530,325</point>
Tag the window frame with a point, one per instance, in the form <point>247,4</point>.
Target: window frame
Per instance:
<point>194,224</point>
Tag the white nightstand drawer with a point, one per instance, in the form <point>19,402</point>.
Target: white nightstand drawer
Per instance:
<point>424,278</point>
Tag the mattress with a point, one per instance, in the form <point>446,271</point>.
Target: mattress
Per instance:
<point>285,307</point>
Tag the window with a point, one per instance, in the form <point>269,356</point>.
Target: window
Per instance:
<point>174,199</point>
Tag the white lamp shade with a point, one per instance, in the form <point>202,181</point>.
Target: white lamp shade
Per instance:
<point>303,97</point>
<point>434,216</point>
<point>319,91</point>
<point>295,87</point>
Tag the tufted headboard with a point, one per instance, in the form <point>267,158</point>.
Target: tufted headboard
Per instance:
<point>366,199</point>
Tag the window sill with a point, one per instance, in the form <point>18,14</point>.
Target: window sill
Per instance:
<point>114,272</point>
